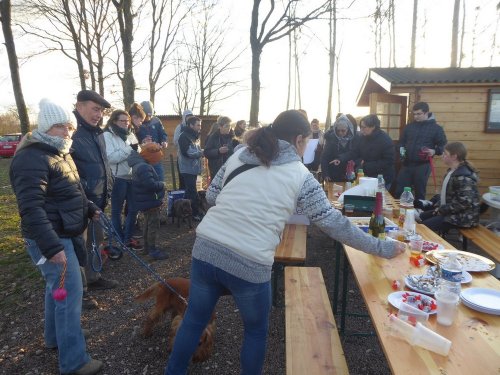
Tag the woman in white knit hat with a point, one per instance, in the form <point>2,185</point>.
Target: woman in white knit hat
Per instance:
<point>53,210</point>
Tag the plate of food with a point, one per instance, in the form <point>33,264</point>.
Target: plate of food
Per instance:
<point>417,300</point>
<point>470,262</point>
<point>429,246</point>
<point>428,282</point>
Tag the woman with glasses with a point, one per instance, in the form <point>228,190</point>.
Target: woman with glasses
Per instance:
<point>219,145</point>
<point>337,140</point>
<point>119,144</point>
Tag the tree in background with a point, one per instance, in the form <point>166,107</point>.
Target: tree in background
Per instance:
<point>6,20</point>
<point>454,34</point>
<point>332,25</point>
<point>262,34</point>
<point>413,33</point>
<point>166,20</point>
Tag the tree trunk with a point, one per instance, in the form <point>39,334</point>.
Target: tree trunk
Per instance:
<point>462,35</point>
<point>289,71</point>
<point>331,61</point>
<point>413,33</point>
<point>454,34</point>
<point>125,20</point>
<point>255,98</point>
<point>5,18</point>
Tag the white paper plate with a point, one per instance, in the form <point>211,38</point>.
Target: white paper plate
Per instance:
<point>488,299</point>
<point>396,298</point>
<point>479,308</point>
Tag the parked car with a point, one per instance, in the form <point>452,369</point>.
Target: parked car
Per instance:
<point>8,144</point>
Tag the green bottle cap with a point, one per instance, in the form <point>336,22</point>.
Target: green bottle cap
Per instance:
<point>408,189</point>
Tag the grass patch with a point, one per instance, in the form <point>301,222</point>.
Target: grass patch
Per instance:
<point>18,277</point>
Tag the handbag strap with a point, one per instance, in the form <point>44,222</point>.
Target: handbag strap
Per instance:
<point>237,171</point>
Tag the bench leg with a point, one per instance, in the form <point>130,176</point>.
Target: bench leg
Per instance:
<point>464,243</point>
<point>345,275</point>
<point>338,250</point>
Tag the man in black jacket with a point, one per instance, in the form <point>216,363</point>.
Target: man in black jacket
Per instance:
<point>89,154</point>
<point>420,141</point>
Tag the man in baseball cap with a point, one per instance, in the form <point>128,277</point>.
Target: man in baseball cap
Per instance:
<point>89,154</point>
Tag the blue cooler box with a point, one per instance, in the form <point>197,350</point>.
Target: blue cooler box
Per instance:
<point>172,196</point>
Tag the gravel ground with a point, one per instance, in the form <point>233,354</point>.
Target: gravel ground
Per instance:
<point>116,326</point>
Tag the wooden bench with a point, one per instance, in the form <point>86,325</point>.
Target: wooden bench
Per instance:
<point>312,342</point>
<point>291,251</point>
<point>484,238</point>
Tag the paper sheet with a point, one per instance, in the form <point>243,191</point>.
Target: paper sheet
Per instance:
<point>309,152</point>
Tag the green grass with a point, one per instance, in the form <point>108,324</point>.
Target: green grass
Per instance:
<point>18,276</point>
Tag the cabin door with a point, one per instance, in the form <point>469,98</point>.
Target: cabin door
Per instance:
<point>391,110</point>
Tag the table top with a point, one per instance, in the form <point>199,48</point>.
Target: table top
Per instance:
<point>292,247</point>
<point>475,336</point>
<point>490,202</point>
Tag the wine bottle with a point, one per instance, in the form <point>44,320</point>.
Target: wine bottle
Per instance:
<point>377,221</point>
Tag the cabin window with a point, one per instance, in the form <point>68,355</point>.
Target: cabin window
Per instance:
<point>493,115</point>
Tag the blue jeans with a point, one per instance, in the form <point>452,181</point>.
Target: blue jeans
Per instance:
<point>122,190</point>
<point>62,318</point>
<point>208,283</point>
<point>191,192</point>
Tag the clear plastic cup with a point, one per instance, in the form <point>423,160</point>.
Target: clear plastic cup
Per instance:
<point>430,340</point>
<point>416,244</point>
<point>447,305</point>
<point>411,314</point>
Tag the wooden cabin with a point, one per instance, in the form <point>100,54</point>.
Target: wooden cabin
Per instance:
<point>465,101</point>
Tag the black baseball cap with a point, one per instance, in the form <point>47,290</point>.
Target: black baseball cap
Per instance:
<point>86,95</point>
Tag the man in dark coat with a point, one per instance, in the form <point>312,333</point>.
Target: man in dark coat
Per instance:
<point>420,141</point>
<point>89,154</point>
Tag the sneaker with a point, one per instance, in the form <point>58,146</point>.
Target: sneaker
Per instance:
<point>134,244</point>
<point>102,284</point>
<point>158,254</point>
<point>89,303</point>
<point>90,368</point>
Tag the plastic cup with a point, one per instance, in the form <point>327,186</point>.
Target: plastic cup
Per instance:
<point>337,189</point>
<point>416,244</point>
<point>411,314</point>
<point>430,340</point>
<point>447,305</point>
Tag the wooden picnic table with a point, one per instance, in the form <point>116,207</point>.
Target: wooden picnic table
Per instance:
<point>475,336</point>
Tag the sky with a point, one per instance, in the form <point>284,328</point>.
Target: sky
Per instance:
<point>55,77</point>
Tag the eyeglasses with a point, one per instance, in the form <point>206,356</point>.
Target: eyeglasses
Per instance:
<point>69,128</point>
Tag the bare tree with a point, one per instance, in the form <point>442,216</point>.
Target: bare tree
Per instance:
<point>392,33</point>
<point>474,34</point>
<point>332,24</point>
<point>210,61</point>
<point>6,20</point>
<point>166,20</point>
<point>261,35</point>
<point>413,33</point>
<point>126,22</point>
<point>462,36</point>
<point>185,95</point>
<point>454,34</point>
<point>494,38</point>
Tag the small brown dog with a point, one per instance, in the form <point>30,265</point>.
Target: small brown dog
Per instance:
<point>166,301</point>
<point>206,344</point>
<point>182,210</point>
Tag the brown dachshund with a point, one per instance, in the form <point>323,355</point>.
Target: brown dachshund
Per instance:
<point>206,344</point>
<point>166,301</point>
<point>182,210</point>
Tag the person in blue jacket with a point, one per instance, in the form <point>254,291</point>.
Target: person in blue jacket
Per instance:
<point>152,130</point>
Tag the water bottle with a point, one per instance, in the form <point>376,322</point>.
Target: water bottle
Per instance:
<point>360,174</point>
<point>381,187</point>
<point>451,272</point>
<point>409,225</point>
<point>405,203</point>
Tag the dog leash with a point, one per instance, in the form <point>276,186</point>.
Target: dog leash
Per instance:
<point>107,225</point>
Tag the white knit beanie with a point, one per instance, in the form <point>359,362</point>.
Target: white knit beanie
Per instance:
<point>51,114</point>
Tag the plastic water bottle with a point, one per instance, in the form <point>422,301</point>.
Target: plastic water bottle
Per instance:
<point>381,187</point>
<point>405,203</point>
<point>451,273</point>
<point>409,226</point>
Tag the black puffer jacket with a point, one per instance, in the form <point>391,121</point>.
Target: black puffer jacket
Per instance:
<point>211,151</point>
<point>331,151</point>
<point>377,153</point>
<point>51,200</point>
<point>148,189</point>
<point>89,154</point>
